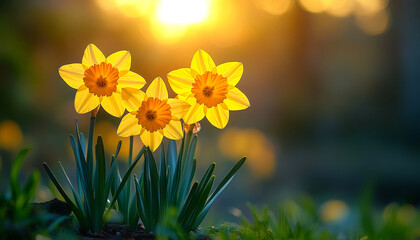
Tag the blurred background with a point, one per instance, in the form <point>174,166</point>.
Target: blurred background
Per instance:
<point>334,87</point>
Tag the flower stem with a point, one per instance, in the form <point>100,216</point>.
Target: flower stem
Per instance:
<point>89,156</point>
<point>128,184</point>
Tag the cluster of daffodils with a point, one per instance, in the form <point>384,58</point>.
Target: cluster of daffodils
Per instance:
<point>203,89</point>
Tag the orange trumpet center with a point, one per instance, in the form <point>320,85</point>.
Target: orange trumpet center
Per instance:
<point>101,79</point>
<point>154,114</point>
<point>210,89</point>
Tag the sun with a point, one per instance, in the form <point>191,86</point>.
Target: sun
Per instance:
<point>183,12</point>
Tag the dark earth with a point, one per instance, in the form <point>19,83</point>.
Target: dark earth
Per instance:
<point>113,231</point>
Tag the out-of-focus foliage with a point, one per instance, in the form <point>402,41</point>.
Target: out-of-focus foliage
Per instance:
<point>18,217</point>
<point>396,221</point>
<point>267,225</point>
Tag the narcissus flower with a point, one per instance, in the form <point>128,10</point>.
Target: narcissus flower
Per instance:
<point>99,80</point>
<point>152,115</point>
<point>209,89</point>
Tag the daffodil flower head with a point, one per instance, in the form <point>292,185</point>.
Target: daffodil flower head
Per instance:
<point>153,115</point>
<point>210,90</point>
<point>102,81</point>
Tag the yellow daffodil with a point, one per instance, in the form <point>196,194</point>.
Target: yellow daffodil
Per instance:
<point>209,89</point>
<point>102,81</point>
<point>152,115</point>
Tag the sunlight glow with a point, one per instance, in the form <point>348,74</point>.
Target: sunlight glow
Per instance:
<point>341,8</point>
<point>134,8</point>
<point>183,12</point>
<point>315,6</point>
<point>274,7</point>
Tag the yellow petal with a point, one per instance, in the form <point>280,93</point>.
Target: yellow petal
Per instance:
<point>120,60</point>
<point>181,80</point>
<point>236,100</point>
<point>202,62</point>
<point>218,116</point>
<point>72,74</point>
<point>157,89</point>
<point>92,56</point>
<point>194,114</point>
<point>151,140</point>
<point>132,98</point>
<point>232,71</point>
<point>173,130</point>
<point>131,79</point>
<point>129,126</point>
<point>187,97</point>
<point>178,107</point>
<point>85,101</point>
<point>113,104</point>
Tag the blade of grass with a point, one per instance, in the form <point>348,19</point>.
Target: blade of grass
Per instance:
<point>69,202</point>
<point>14,173</point>
<point>124,180</point>
<point>222,185</point>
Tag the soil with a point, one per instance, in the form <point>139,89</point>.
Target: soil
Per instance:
<point>111,231</point>
<point>115,231</point>
<point>54,206</point>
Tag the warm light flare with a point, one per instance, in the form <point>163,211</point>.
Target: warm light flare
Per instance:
<point>134,8</point>
<point>374,24</point>
<point>341,8</point>
<point>274,7</point>
<point>315,6</point>
<point>183,12</point>
<point>370,7</point>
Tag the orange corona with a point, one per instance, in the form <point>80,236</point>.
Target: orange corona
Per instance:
<point>101,79</point>
<point>210,89</point>
<point>154,114</point>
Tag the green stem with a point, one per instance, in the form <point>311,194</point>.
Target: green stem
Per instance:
<point>130,151</point>
<point>128,186</point>
<point>89,156</point>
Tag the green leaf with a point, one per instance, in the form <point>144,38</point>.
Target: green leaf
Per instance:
<point>31,186</point>
<point>174,185</point>
<point>222,185</point>
<point>100,198</point>
<point>171,158</point>
<point>187,204</point>
<point>124,180</point>
<point>83,221</point>
<point>206,176</point>
<point>163,179</point>
<point>14,173</point>
<point>89,156</point>
<point>141,204</point>
<point>76,197</point>
<point>188,170</point>
<point>198,205</point>
<point>153,184</point>
<point>82,169</point>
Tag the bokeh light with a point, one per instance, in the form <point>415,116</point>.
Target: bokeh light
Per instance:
<point>341,8</point>
<point>373,24</point>
<point>370,7</point>
<point>11,136</point>
<point>334,211</point>
<point>406,214</point>
<point>315,6</point>
<point>274,7</point>
<point>235,143</point>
